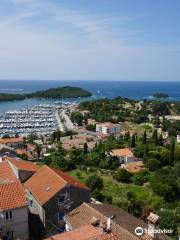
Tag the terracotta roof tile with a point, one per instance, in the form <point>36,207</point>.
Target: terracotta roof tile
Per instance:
<point>6,172</point>
<point>109,237</point>
<point>23,165</point>
<point>123,226</point>
<point>123,152</point>
<point>69,179</point>
<point>12,195</point>
<point>83,215</point>
<point>135,166</point>
<point>50,181</point>
<point>11,140</point>
<point>87,232</point>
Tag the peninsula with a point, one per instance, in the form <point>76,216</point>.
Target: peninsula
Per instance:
<point>66,92</point>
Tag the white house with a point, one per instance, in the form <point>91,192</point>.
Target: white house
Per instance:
<point>13,211</point>
<point>108,128</point>
<point>124,155</point>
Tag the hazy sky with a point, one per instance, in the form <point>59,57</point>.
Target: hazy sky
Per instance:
<point>90,39</point>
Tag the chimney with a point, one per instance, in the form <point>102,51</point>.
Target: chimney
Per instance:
<point>95,222</point>
<point>153,225</point>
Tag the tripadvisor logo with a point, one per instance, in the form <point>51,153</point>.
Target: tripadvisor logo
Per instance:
<point>139,231</point>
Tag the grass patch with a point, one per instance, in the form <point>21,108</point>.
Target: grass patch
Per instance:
<point>118,191</point>
<point>138,128</point>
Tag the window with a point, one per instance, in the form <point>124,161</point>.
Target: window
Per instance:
<point>10,235</point>
<point>30,203</point>
<point>61,199</point>
<point>8,215</point>
<point>60,216</point>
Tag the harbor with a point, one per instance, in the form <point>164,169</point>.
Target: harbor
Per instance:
<point>40,119</point>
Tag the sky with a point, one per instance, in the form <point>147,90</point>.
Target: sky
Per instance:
<point>90,40</point>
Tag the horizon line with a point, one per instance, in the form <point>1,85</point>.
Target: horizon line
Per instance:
<point>86,80</point>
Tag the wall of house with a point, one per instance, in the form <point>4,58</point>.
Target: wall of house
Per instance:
<point>126,159</point>
<point>35,207</point>
<point>76,195</point>
<point>25,175</point>
<point>107,130</point>
<point>15,145</point>
<point>18,224</point>
<point>121,159</point>
<point>114,130</point>
<point>7,152</point>
<point>130,159</point>
<point>98,128</point>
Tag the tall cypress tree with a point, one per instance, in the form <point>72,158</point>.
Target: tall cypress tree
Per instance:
<point>155,137</point>
<point>85,148</point>
<point>146,151</point>
<point>145,137</point>
<point>133,141</point>
<point>172,150</point>
<point>160,140</point>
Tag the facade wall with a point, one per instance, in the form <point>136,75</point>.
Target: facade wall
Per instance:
<point>76,195</point>
<point>49,213</point>
<point>107,130</point>
<point>7,152</point>
<point>125,159</point>
<point>18,224</point>
<point>35,207</point>
<point>130,159</point>
<point>15,145</point>
<point>25,175</point>
<point>121,159</point>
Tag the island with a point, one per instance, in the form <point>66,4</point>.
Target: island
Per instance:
<point>11,97</point>
<point>55,93</point>
<point>160,95</point>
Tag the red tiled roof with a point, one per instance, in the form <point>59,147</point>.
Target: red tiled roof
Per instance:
<point>87,232</point>
<point>50,181</point>
<point>135,167</point>
<point>11,140</point>
<point>23,165</point>
<point>6,172</point>
<point>71,180</point>
<point>123,152</point>
<point>12,195</point>
<point>123,226</point>
<point>109,237</point>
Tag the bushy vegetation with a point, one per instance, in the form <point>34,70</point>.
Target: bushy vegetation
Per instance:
<point>123,109</point>
<point>66,92</point>
<point>11,97</point>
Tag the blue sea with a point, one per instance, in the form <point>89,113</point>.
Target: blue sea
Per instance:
<point>99,89</point>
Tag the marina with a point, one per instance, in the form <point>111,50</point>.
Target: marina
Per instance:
<point>40,119</point>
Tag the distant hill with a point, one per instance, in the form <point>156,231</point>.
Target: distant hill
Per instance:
<point>66,92</point>
<point>11,97</point>
<point>160,95</point>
